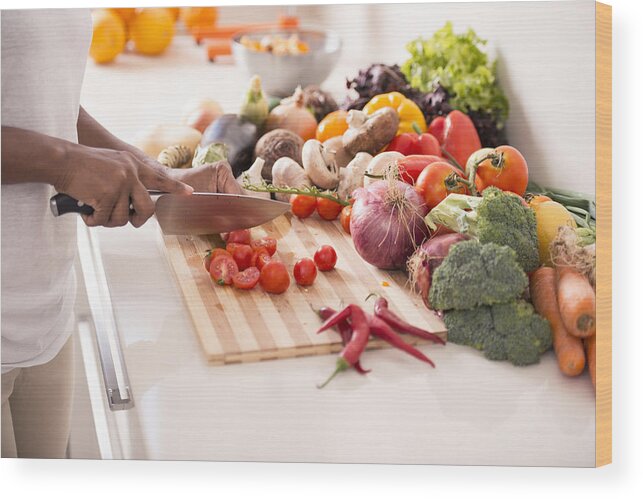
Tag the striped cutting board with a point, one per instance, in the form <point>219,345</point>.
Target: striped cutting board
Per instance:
<point>247,326</point>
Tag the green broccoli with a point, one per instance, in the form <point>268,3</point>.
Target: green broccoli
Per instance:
<point>508,331</point>
<point>474,274</point>
<point>496,217</point>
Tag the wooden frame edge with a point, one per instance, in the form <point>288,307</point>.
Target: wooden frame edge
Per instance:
<point>604,234</point>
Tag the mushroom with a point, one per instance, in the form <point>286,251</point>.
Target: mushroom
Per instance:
<point>370,133</point>
<point>352,177</point>
<point>286,172</point>
<point>342,158</point>
<point>380,165</point>
<point>253,177</point>
<point>319,164</point>
<point>277,144</point>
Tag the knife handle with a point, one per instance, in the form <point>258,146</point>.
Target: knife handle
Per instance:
<point>61,204</point>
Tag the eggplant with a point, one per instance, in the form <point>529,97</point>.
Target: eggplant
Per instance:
<point>239,136</point>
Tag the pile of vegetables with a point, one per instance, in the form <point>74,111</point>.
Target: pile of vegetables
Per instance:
<point>416,167</point>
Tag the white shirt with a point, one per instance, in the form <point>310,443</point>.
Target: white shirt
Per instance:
<point>43,64</point>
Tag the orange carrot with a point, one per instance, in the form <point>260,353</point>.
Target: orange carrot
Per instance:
<point>576,302</point>
<point>590,350</point>
<point>568,348</point>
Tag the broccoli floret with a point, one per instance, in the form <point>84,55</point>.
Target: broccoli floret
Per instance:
<point>509,331</point>
<point>474,274</point>
<point>496,217</point>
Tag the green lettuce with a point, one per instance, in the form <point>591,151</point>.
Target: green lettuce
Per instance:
<point>457,63</point>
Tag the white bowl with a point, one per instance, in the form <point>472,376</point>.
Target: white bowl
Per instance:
<point>281,74</point>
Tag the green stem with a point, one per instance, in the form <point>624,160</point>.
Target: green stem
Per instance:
<point>304,191</point>
<point>451,159</point>
<point>497,160</point>
<point>416,128</point>
<point>342,365</point>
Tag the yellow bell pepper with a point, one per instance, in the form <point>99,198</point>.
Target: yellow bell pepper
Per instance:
<point>407,110</point>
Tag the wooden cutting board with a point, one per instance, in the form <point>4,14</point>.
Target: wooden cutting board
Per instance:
<point>248,326</point>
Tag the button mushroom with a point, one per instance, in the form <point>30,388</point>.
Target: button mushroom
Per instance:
<point>253,176</point>
<point>352,177</point>
<point>319,164</point>
<point>370,133</point>
<point>277,144</point>
<point>286,172</point>
<point>342,157</point>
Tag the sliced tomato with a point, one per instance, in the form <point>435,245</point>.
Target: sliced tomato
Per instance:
<point>260,258</point>
<point>270,243</point>
<point>242,255</point>
<point>211,254</point>
<point>247,279</point>
<point>241,236</point>
<point>223,269</point>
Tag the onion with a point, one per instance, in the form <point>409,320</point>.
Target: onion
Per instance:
<point>387,223</point>
<point>427,258</point>
<point>292,115</point>
<point>199,114</point>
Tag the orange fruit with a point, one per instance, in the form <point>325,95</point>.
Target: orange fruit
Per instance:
<point>332,125</point>
<point>125,14</point>
<point>198,16</point>
<point>108,39</point>
<point>152,31</point>
<point>175,11</point>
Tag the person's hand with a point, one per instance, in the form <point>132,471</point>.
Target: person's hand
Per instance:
<point>213,177</point>
<point>110,181</point>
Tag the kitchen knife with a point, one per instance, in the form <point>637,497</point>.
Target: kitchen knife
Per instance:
<point>196,213</point>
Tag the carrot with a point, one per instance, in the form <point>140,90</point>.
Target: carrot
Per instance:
<point>590,350</point>
<point>568,348</point>
<point>576,302</point>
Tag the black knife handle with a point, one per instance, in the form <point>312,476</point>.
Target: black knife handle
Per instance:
<point>61,204</point>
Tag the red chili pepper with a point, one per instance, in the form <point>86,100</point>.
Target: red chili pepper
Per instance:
<point>335,319</point>
<point>410,167</point>
<point>345,331</point>
<point>383,312</point>
<point>382,330</point>
<point>354,348</point>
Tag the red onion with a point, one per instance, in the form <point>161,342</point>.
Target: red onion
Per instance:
<point>427,258</point>
<point>387,223</point>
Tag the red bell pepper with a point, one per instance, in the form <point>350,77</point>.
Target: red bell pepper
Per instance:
<point>410,167</point>
<point>415,143</point>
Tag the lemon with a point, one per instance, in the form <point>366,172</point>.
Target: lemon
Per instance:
<point>108,39</point>
<point>152,30</point>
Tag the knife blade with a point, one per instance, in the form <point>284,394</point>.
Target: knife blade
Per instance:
<point>196,213</point>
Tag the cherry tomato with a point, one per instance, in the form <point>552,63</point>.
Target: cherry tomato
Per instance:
<point>270,243</point>
<point>211,254</point>
<point>460,137</point>
<point>223,269</point>
<point>305,272</point>
<point>302,206</point>
<point>506,169</point>
<point>239,236</point>
<point>345,218</point>
<point>332,125</point>
<point>260,258</point>
<point>242,255</point>
<point>410,167</point>
<point>274,277</point>
<point>247,279</point>
<point>437,181</point>
<point>436,128</point>
<point>328,209</point>
<point>325,258</point>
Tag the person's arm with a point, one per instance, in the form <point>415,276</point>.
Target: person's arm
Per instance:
<point>107,180</point>
<point>216,177</point>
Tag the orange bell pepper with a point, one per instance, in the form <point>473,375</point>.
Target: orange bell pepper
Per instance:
<point>407,110</point>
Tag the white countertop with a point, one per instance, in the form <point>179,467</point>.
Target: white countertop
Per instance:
<point>466,411</point>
